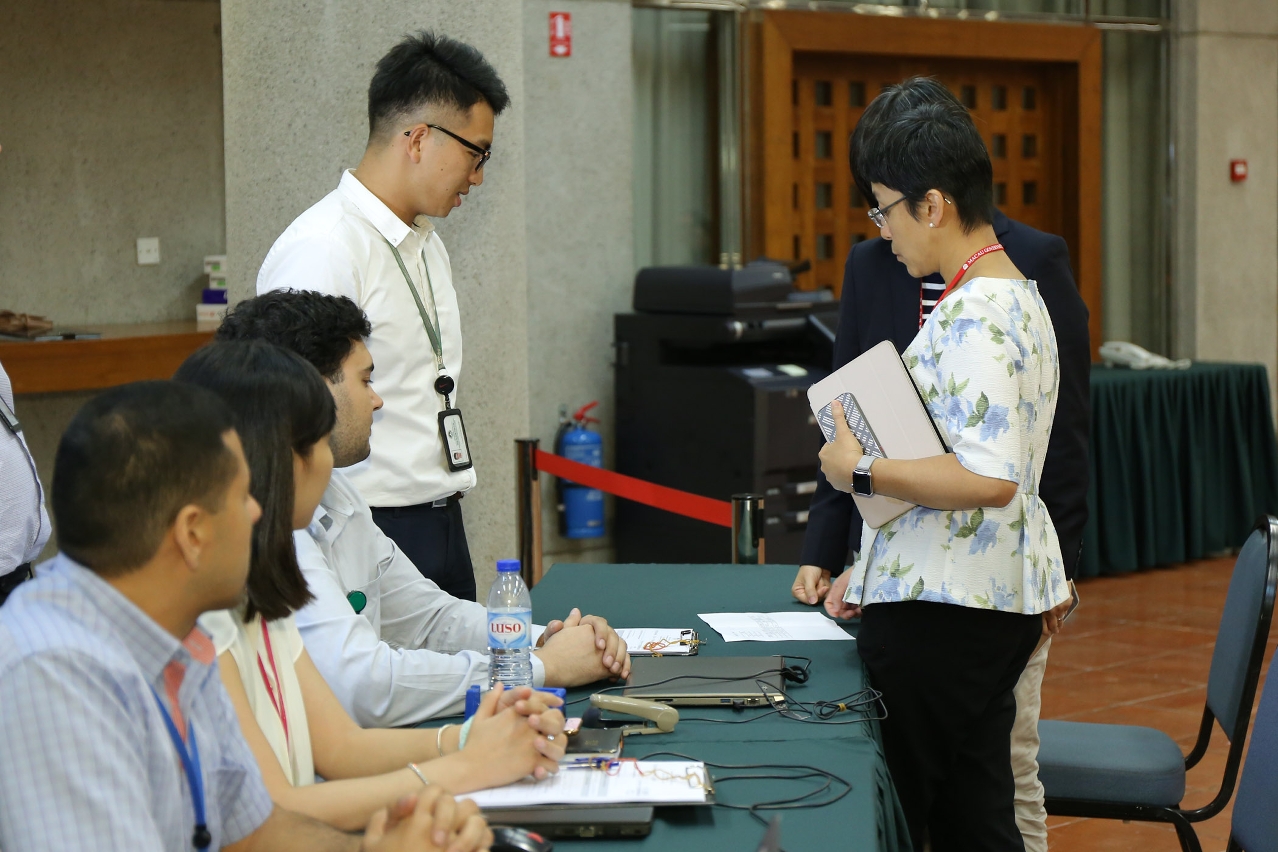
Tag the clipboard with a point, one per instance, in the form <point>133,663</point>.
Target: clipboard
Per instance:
<point>890,409</point>
<point>658,642</point>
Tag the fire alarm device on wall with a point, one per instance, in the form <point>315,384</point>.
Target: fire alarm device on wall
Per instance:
<point>560,34</point>
<point>1237,170</point>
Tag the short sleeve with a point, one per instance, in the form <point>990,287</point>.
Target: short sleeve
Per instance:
<point>284,634</point>
<point>223,628</point>
<point>243,800</point>
<point>976,392</point>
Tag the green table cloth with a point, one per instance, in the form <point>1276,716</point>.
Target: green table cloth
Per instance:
<point>1183,462</point>
<point>868,818</point>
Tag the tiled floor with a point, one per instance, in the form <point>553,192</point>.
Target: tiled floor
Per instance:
<point>1137,652</point>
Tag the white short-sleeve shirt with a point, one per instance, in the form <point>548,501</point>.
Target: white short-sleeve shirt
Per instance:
<point>248,648</point>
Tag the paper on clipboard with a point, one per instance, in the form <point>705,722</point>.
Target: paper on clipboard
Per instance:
<point>649,641</point>
<point>658,782</point>
<point>889,408</point>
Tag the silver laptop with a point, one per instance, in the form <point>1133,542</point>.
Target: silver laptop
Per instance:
<point>706,681</point>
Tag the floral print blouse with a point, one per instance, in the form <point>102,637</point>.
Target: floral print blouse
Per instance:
<point>987,366</point>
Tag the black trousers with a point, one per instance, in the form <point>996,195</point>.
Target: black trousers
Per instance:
<point>947,674</point>
<point>435,540</point>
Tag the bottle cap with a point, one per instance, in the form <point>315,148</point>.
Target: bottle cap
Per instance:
<point>504,565</point>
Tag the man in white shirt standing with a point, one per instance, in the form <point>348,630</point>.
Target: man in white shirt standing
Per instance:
<point>431,109</point>
<point>24,524</point>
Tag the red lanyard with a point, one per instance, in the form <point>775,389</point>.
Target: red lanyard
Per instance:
<point>277,701</point>
<point>963,269</point>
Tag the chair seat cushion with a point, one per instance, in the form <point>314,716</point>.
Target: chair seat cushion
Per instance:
<point>1110,763</point>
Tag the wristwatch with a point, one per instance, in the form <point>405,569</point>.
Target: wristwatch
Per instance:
<point>862,479</point>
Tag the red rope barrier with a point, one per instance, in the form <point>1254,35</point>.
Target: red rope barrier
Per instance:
<point>717,512</point>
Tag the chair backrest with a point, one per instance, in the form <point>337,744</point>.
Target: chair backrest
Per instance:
<point>1255,823</point>
<point>1244,630</point>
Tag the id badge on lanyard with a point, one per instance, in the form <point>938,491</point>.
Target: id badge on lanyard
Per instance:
<point>452,431</point>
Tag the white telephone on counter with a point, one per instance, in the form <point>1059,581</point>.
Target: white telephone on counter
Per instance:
<point>1123,354</point>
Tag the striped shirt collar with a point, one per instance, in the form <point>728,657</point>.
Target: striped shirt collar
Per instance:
<point>153,647</point>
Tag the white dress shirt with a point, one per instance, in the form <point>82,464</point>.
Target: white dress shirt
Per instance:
<point>339,247</point>
<point>414,650</point>
<point>24,524</point>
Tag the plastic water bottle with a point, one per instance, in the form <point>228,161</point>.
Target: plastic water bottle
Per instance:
<point>509,628</point>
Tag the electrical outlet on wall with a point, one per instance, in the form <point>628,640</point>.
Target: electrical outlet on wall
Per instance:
<point>148,251</point>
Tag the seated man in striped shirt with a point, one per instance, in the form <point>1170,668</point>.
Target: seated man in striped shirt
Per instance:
<point>114,726</point>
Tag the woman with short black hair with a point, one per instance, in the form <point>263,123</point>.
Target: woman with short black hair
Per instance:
<point>951,593</point>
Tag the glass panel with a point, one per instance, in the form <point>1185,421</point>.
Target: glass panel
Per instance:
<point>1156,9</point>
<point>824,93</point>
<point>1029,146</point>
<point>796,145</point>
<point>796,246</point>
<point>1029,98</point>
<point>855,196</point>
<point>675,148</point>
<point>1000,194</point>
<point>824,195</point>
<point>856,94</point>
<point>998,97</point>
<point>1135,191</point>
<point>1029,192</point>
<point>824,144</point>
<point>967,94</point>
<point>998,146</point>
<point>825,246</point>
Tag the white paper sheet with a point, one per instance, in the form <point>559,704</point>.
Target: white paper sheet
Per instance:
<point>774,627</point>
<point>597,787</point>
<point>637,637</point>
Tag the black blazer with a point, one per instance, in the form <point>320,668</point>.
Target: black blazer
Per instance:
<point>881,302</point>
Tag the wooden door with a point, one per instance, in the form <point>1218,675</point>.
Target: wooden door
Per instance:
<point>1033,91</point>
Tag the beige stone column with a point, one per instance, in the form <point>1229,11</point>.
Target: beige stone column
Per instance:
<point>1225,247</point>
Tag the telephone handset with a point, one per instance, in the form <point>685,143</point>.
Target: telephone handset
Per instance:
<point>1124,354</point>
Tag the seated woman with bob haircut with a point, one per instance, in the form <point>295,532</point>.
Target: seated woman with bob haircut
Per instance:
<point>293,722</point>
<point>951,593</point>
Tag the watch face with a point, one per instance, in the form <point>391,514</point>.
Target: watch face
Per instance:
<point>862,484</point>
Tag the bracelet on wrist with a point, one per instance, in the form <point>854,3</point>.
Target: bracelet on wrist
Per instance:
<point>418,773</point>
<point>464,733</point>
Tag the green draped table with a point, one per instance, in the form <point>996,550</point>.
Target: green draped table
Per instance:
<point>1183,462</point>
<point>868,818</point>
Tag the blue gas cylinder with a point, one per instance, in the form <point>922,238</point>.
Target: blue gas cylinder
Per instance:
<point>583,507</point>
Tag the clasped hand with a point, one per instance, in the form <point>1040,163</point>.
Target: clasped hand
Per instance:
<point>581,650</point>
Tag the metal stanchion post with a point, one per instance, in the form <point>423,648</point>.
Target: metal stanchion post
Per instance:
<point>528,508</point>
<point>747,529</point>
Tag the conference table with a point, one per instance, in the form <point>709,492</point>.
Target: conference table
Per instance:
<point>1182,464</point>
<point>670,596</point>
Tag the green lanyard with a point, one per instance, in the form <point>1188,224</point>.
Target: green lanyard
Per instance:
<point>431,330</point>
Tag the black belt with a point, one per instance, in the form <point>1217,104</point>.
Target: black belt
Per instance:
<point>443,502</point>
<point>14,578</point>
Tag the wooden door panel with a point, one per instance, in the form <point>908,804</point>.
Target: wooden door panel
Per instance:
<point>1015,106</point>
<point>812,73</point>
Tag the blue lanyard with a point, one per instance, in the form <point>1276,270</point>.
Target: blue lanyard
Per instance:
<point>200,839</point>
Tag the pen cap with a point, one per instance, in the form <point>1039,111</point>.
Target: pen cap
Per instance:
<point>472,700</point>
